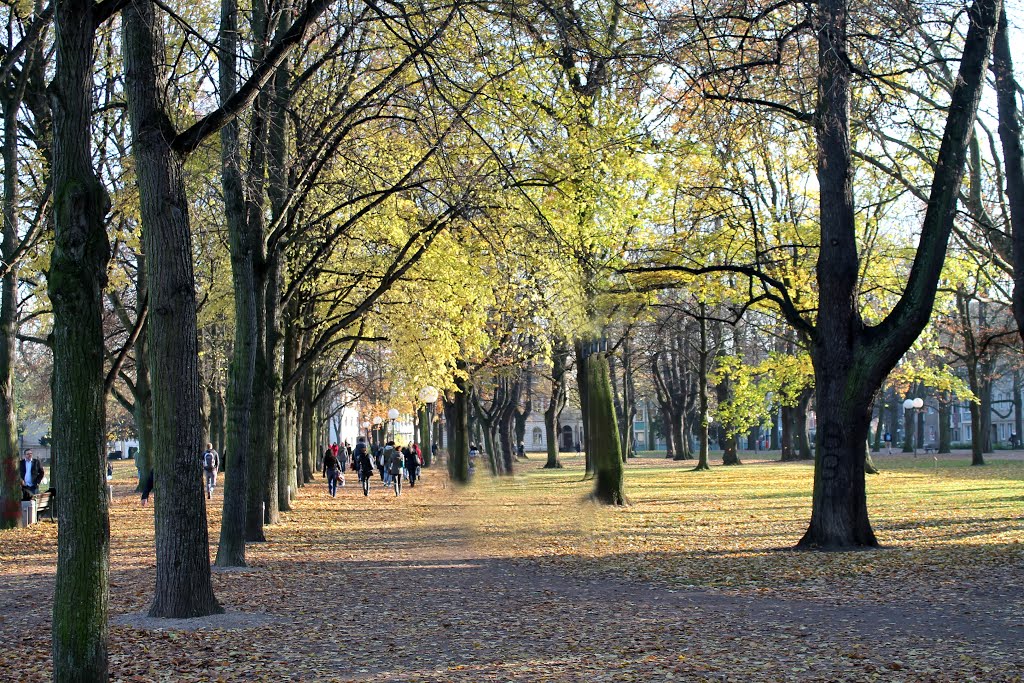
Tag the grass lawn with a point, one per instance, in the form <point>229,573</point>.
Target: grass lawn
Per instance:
<point>522,579</point>
<point>940,520</point>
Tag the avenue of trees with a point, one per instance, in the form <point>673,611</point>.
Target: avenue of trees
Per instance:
<point>227,221</point>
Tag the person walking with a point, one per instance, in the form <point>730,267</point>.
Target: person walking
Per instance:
<point>412,466</point>
<point>331,471</point>
<point>394,464</point>
<point>30,474</point>
<point>211,463</point>
<point>343,455</point>
<point>363,464</point>
<point>387,454</point>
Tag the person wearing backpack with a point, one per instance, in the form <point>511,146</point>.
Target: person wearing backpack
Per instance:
<point>394,462</point>
<point>363,464</point>
<point>331,471</point>
<point>211,463</point>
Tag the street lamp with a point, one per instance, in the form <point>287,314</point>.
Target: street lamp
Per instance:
<point>393,415</point>
<point>366,428</point>
<point>915,405</point>
<point>429,394</point>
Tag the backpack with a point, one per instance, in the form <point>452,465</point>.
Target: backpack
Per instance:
<point>208,461</point>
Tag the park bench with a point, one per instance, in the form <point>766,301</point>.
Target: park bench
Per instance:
<point>930,448</point>
<point>43,504</point>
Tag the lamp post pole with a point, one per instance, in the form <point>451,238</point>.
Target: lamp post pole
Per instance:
<point>393,415</point>
<point>377,420</point>
<point>913,407</point>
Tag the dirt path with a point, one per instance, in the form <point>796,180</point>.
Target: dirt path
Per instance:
<point>380,589</point>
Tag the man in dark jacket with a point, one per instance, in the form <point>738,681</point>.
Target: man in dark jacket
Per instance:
<point>363,463</point>
<point>30,474</point>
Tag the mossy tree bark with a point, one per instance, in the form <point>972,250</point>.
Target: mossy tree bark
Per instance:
<point>77,277</point>
<point>603,431</point>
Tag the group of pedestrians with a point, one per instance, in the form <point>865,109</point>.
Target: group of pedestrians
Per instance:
<point>393,464</point>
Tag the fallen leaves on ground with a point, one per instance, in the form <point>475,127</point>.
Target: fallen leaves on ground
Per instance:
<point>521,580</point>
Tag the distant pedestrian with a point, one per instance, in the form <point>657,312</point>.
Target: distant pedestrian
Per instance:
<point>343,455</point>
<point>363,463</point>
<point>387,454</point>
<point>412,466</point>
<point>330,471</point>
<point>521,451</point>
<point>211,463</point>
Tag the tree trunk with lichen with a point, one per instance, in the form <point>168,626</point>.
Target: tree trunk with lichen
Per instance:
<point>603,432</point>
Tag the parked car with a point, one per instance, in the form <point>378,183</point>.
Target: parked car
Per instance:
<point>115,455</point>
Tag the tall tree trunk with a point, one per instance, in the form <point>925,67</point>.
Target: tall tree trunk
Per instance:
<point>803,441</point>
<point>702,389</point>
<point>183,584</point>
<point>143,408</point>
<point>945,437</point>
<point>559,355</point>
<point>850,360</point>
<point>985,405</point>
<point>10,488</point>
<point>788,426</point>
<point>506,424</point>
<point>308,431</point>
<point>1013,159</point>
<point>629,402</point>
<point>602,429</point>
<point>1018,404</point>
<point>239,408</point>
<point>582,388</point>
<point>977,433</point>
<point>523,414</point>
<point>876,442</point>
<point>77,277</point>
<point>458,450</point>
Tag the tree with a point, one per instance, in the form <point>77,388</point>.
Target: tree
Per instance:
<point>78,273</point>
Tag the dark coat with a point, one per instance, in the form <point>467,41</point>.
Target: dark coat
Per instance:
<point>411,463</point>
<point>37,472</point>
<point>330,461</point>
